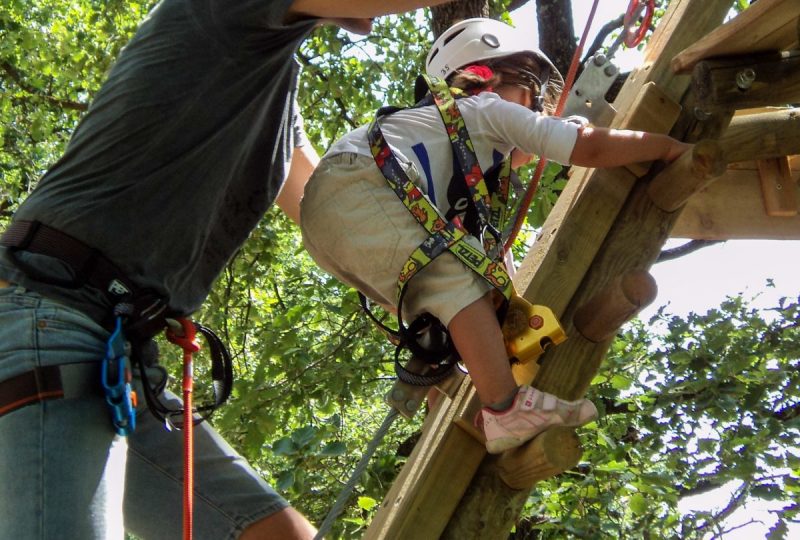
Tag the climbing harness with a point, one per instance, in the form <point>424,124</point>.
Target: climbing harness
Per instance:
<point>490,214</point>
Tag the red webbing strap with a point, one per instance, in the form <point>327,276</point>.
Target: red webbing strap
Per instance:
<point>188,342</point>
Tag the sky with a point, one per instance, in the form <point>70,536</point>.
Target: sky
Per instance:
<point>702,280</point>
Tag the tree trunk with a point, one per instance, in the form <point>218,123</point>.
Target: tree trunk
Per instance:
<point>446,15</point>
<point>556,34</point>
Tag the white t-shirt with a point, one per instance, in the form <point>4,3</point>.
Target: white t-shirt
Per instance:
<point>495,126</point>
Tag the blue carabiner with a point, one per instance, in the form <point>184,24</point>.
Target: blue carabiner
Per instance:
<point>116,378</point>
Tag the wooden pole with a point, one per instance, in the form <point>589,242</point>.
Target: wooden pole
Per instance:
<point>602,316</point>
<point>762,136</point>
<point>687,175</point>
<point>747,82</point>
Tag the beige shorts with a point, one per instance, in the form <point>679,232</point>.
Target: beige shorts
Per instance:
<point>356,228</point>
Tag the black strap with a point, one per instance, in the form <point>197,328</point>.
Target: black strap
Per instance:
<point>66,381</point>
<point>89,265</point>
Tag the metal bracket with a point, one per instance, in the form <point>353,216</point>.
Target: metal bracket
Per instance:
<point>587,96</point>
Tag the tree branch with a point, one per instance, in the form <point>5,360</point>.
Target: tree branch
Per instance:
<point>685,249</point>
<point>14,75</point>
<point>322,77</point>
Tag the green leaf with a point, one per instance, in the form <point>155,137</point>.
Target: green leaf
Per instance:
<point>367,503</point>
<point>337,448</point>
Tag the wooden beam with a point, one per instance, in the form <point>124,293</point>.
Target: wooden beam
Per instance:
<point>767,25</point>
<point>762,136</point>
<point>438,471</point>
<point>777,187</point>
<point>744,82</point>
<point>654,111</point>
<point>732,208</point>
<point>673,186</point>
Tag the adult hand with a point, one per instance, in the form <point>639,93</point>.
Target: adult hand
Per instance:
<point>356,26</point>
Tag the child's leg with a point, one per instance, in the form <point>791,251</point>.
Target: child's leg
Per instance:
<point>477,336</point>
<point>512,414</point>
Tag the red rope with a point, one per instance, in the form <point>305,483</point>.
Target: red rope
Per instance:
<point>537,174</point>
<point>187,341</point>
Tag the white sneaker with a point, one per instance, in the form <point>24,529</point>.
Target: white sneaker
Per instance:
<point>532,412</point>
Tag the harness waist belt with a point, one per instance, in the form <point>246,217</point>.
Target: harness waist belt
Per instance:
<point>51,382</point>
<point>91,266</point>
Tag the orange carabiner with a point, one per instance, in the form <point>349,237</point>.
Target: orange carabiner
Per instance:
<point>634,37</point>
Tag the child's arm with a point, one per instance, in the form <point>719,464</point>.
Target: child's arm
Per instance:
<point>603,147</point>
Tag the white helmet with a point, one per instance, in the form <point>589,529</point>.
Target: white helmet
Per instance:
<point>474,40</point>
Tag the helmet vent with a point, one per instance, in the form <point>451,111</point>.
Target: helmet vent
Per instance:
<point>452,36</point>
<point>491,40</point>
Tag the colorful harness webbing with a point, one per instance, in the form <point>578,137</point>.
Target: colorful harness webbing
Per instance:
<point>449,235</point>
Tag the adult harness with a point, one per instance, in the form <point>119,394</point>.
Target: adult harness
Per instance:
<point>137,315</point>
<point>491,210</point>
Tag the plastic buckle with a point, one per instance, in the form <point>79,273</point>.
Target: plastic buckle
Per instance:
<point>116,377</point>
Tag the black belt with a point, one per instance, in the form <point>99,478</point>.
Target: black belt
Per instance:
<point>66,381</point>
<point>146,309</point>
<point>90,266</point>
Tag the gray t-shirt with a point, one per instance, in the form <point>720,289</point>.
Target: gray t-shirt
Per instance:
<point>182,151</point>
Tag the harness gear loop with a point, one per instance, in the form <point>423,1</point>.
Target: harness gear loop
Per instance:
<point>182,332</point>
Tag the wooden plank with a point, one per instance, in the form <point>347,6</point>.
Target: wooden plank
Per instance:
<point>653,111</point>
<point>744,82</point>
<point>767,25</point>
<point>777,187</point>
<point>430,485</point>
<point>731,208</point>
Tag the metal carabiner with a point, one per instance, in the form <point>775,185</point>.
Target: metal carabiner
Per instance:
<point>116,377</point>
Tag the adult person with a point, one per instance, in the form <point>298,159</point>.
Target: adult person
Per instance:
<point>183,149</point>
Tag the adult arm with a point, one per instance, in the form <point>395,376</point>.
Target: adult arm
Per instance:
<point>603,147</point>
<point>304,160</point>
<point>359,9</point>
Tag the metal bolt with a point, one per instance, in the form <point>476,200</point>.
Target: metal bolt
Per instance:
<point>599,59</point>
<point>745,78</point>
<point>701,115</point>
<point>412,405</point>
<point>398,394</point>
<point>610,70</point>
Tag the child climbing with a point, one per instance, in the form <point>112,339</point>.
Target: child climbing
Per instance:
<point>355,227</point>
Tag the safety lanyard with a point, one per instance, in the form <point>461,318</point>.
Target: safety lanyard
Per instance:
<point>449,235</point>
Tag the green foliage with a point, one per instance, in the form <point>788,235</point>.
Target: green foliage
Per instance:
<point>689,403</point>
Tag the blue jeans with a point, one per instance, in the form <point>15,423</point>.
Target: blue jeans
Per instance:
<point>65,474</point>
